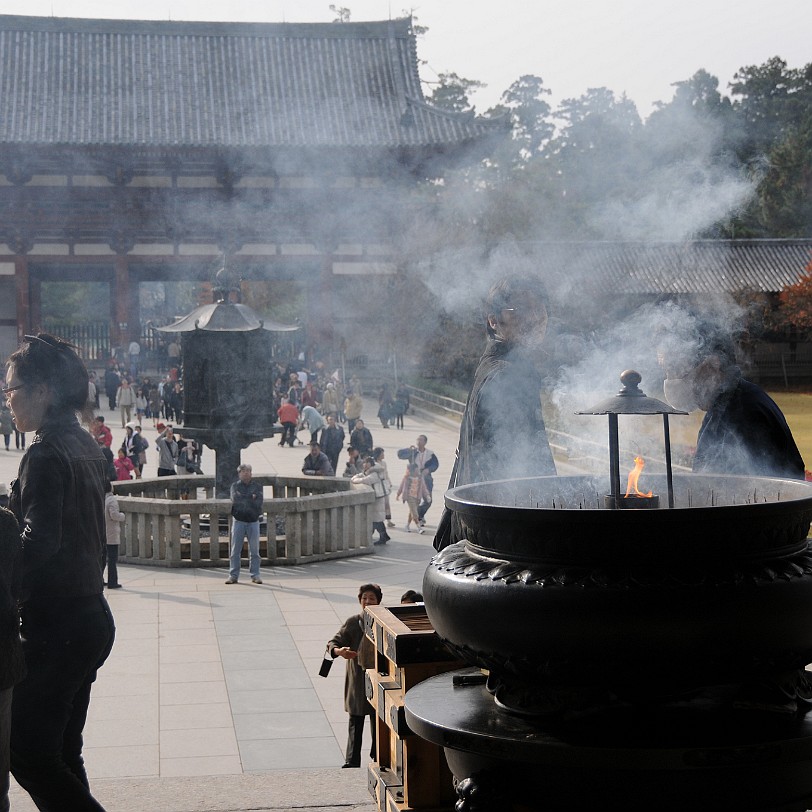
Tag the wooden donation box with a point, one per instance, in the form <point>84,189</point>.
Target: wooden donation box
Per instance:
<point>409,772</point>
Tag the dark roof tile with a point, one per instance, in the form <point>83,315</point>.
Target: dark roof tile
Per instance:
<point>121,82</point>
<point>596,268</point>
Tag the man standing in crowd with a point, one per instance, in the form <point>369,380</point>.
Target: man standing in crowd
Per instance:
<point>111,384</point>
<point>125,400</point>
<point>167,451</point>
<point>246,508</point>
<point>332,440</point>
<point>134,351</point>
<point>427,463</point>
<point>361,438</point>
<point>353,406</point>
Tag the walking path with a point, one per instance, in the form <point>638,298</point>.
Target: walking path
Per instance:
<point>211,698</point>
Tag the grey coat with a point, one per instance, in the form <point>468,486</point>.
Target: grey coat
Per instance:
<point>352,634</point>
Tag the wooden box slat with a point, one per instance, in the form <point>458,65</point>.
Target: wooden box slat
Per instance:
<point>403,634</point>
<point>411,773</point>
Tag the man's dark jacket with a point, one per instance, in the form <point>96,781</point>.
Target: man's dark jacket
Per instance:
<point>362,440</point>
<point>246,501</point>
<point>332,441</point>
<point>320,466</point>
<point>58,499</point>
<point>12,662</point>
<point>744,432</point>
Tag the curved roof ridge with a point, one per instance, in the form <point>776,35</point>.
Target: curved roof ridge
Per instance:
<point>400,27</point>
<point>451,115</point>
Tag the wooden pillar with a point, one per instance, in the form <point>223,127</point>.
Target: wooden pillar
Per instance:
<point>119,303</point>
<point>23,300</point>
<point>320,310</point>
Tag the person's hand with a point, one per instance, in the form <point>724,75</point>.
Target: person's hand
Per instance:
<point>346,652</point>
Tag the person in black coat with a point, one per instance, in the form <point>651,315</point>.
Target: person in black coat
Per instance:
<point>66,625</point>
<point>743,431</point>
<point>332,441</point>
<point>12,664</point>
<point>361,438</point>
<point>502,433</point>
<point>112,381</point>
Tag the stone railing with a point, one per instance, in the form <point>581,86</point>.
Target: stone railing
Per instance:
<point>177,521</point>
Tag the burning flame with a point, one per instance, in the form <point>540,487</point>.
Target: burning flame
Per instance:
<point>634,475</point>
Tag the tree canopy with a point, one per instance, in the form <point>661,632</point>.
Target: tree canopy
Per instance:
<point>707,163</point>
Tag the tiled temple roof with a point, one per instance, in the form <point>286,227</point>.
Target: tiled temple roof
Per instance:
<point>231,85</point>
<point>697,267</point>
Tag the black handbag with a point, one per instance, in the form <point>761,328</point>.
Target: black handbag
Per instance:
<point>326,663</point>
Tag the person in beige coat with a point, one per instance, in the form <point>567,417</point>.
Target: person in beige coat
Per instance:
<point>353,406</point>
<point>357,649</point>
<point>375,476</point>
<point>113,518</point>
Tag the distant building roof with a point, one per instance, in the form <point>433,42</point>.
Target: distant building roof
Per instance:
<point>84,82</point>
<point>702,266</point>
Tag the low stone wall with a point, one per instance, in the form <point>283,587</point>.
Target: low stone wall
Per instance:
<point>176,521</point>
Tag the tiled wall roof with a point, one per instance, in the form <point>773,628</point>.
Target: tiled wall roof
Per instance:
<point>115,82</point>
<point>703,266</point>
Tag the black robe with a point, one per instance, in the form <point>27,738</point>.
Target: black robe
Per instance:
<point>502,435</point>
<point>744,432</point>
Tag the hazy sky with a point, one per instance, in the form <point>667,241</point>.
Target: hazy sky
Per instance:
<point>638,47</point>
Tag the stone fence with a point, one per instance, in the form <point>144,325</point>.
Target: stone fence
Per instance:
<point>177,521</point>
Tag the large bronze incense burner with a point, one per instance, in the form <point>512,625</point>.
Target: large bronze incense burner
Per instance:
<point>638,654</point>
<point>551,592</point>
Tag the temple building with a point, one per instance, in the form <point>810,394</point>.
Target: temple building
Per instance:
<point>136,152</point>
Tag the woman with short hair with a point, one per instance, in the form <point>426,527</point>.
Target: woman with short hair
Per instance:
<point>356,648</point>
<point>67,627</point>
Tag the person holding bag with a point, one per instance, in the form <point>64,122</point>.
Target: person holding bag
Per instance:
<point>373,475</point>
<point>357,649</point>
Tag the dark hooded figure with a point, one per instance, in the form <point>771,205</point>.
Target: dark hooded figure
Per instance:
<point>743,431</point>
<point>502,433</point>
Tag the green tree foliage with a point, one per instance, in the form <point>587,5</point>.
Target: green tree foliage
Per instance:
<point>417,29</point>
<point>76,302</point>
<point>342,13</point>
<point>595,144</point>
<point>785,193</point>
<point>772,107</point>
<point>529,114</point>
<point>451,92</point>
<point>768,104</point>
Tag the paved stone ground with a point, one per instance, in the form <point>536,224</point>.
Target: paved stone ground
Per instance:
<point>211,698</point>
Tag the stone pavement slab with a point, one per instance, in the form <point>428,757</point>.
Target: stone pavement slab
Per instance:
<point>280,791</point>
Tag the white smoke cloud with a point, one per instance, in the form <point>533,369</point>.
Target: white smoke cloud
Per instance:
<point>680,201</point>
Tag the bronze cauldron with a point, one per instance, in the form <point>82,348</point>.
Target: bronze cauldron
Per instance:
<point>567,603</point>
